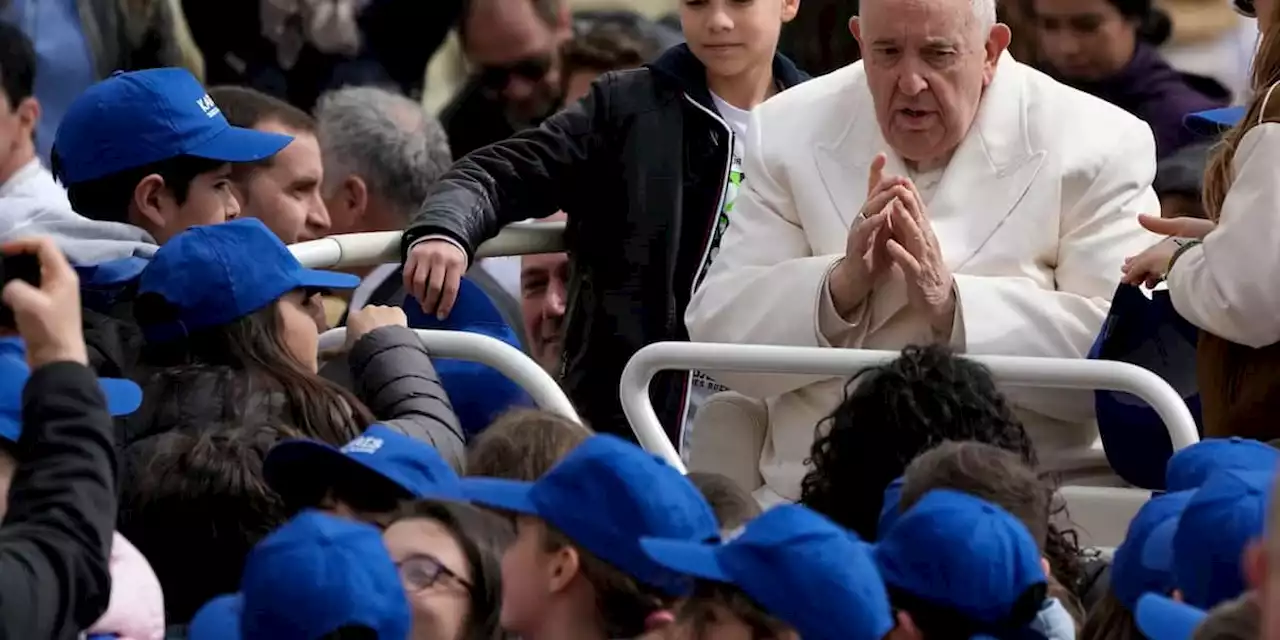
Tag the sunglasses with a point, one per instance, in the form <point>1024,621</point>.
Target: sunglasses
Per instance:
<point>423,571</point>
<point>1245,8</point>
<point>495,78</point>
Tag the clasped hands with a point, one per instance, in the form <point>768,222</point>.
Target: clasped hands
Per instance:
<point>893,232</point>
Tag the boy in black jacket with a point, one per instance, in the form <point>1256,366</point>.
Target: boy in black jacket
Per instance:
<point>647,167</point>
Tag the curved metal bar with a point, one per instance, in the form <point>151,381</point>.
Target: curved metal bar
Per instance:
<point>475,347</point>
<point>1061,373</point>
<point>382,247</point>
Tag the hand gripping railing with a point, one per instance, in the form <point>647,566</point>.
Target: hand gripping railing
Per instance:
<point>475,347</point>
<point>371,249</point>
<point>1061,373</point>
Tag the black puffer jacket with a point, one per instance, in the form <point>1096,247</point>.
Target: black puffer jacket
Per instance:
<point>393,376</point>
<point>640,166</point>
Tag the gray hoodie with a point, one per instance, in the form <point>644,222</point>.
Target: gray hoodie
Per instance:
<point>32,203</point>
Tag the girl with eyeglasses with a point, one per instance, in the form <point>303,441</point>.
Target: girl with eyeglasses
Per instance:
<point>449,558</point>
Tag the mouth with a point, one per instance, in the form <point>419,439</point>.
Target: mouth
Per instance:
<point>915,117</point>
<point>721,47</point>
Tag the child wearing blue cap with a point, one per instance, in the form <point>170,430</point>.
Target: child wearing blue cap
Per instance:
<point>318,577</point>
<point>576,569</point>
<point>1190,468</point>
<point>232,295</point>
<point>151,149</point>
<point>957,566</point>
<point>790,573</point>
<point>368,479</point>
<point>1139,567</point>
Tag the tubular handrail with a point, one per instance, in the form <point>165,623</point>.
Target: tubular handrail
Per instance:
<point>474,347</point>
<point>1060,373</point>
<point>381,247</point>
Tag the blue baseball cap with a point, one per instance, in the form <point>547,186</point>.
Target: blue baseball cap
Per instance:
<point>1192,466</point>
<point>138,118</point>
<point>310,577</point>
<point>219,273</point>
<point>605,495</point>
<point>1220,521</point>
<point>964,554</point>
<point>299,469</point>
<point>1161,618</point>
<point>123,396</point>
<point>1143,562</point>
<point>1214,121</point>
<point>783,560</point>
<point>890,509</point>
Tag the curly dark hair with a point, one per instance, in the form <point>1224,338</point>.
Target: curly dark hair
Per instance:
<point>891,414</point>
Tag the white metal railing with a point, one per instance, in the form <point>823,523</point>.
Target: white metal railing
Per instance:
<point>1061,373</point>
<point>474,347</point>
<point>371,249</point>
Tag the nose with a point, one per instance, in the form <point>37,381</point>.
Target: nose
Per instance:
<point>518,89</point>
<point>553,306</point>
<point>232,209</point>
<point>318,217</point>
<point>720,21</point>
<point>911,82</point>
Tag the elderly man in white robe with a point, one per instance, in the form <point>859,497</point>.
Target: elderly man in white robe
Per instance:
<point>937,191</point>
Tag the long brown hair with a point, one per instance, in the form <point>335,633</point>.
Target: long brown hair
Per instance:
<point>1218,174</point>
<point>253,344</point>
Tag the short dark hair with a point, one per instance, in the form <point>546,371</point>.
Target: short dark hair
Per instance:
<point>17,64</point>
<point>523,444</point>
<point>108,198</point>
<point>607,46</point>
<point>245,107</point>
<point>194,502</point>
<point>891,414</point>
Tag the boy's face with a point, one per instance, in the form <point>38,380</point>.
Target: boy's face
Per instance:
<point>734,36</point>
<point>529,577</point>
<point>209,201</point>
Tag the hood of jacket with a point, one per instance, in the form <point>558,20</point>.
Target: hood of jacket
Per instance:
<point>34,204</point>
<point>1054,622</point>
<point>679,65</point>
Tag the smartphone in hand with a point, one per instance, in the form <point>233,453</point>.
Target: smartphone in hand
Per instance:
<point>22,266</point>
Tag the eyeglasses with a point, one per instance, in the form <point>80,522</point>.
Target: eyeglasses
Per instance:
<point>423,571</point>
<point>1245,8</point>
<point>496,77</point>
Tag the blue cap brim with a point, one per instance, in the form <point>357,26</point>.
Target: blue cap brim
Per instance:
<point>1161,618</point>
<point>123,396</point>
<point>508,495</point>
<point>295,463</point>
<point>686,558</point>
<point>236,144</point>
<point>316,279</point>
<point>1214,121</point>
<point>218,619</point>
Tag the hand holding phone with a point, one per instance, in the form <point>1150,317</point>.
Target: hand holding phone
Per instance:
<point>46,313</point>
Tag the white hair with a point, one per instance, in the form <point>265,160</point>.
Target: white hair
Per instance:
<point>984,12</point>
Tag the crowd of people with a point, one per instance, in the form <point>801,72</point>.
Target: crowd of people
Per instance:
<point>182,456</point>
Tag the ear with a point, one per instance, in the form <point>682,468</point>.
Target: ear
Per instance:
<point>1176,596</point>
<point>905,629</point>
<point>565,566</point>
<point>1255,564</point>
<point>355,195</point>
<point>997,42</point>
<point>855,28</point>
<point>29,114</point>
<point>789,10</point>
<point>151,202</point>
<point>1044,564</point>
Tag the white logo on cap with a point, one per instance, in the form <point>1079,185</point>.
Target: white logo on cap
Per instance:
<point>364,444</point>
<point>207,106</point>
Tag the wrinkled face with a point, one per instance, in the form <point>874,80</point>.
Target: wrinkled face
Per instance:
<point>513,51</point>
<point>733,36</point>
<point>927,64</point>
<point>1084,39</point>
<point>544,281</point>
<point>285,193</point>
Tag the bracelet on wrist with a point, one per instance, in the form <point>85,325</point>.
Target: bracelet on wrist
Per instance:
<point>1183,245</point>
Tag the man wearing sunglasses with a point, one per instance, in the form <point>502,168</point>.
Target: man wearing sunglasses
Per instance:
<point>512,47</point>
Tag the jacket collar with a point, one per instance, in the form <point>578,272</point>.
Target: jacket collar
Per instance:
<point>678,64</point>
